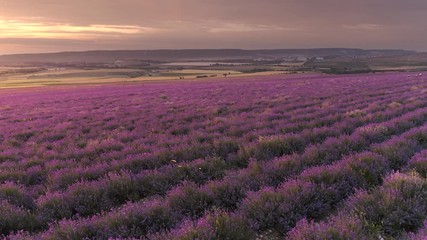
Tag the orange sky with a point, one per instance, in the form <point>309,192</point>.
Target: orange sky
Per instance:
<point>50,26</point>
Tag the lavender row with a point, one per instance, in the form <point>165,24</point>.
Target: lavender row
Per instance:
<point>64,177</point>
<point>133,167</point>
<point>388,212</point>
<point>308,116</point>
<point>178,201</point>
<point>124,186</point>
<point>129,129</point>
<point>114,147</point>
<point>26,136</point>
<point>312,195</point>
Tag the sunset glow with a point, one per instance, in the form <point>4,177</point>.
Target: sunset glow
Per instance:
<point>50,30</point>
<point>49,26</point>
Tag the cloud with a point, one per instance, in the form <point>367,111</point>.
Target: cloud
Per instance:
<point>364,26</point>
<point>35,28</point>
<point>222,27</point>
<point>242,27</point>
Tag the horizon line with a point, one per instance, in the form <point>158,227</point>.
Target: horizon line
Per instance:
<point>194,49</point>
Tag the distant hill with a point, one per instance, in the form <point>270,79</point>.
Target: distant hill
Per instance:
<point>190,55</point>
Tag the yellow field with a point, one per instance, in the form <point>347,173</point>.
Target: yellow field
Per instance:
<point>402,68</point>
<point>105,76</point>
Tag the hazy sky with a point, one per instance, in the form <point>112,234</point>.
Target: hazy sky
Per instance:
<point>64,25</point>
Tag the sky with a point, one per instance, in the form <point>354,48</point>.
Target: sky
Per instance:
<point>31,26</point>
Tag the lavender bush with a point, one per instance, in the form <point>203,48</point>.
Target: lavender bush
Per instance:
<point>269,157</point>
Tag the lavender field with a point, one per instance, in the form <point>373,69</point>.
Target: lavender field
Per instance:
<point>268,157</point>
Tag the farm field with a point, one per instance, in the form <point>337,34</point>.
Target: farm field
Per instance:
<point>260,157</point>
<point>33,77</point>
